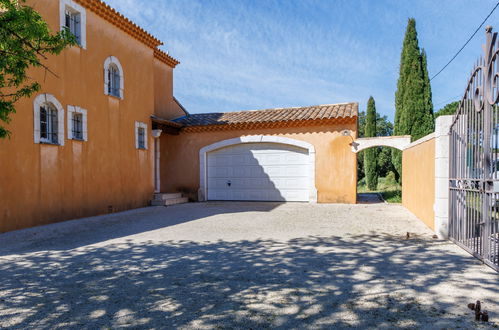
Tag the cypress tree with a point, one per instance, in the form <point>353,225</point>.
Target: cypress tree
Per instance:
<point>413,104</point>
<point>370,155</point>
<point>429,116</point>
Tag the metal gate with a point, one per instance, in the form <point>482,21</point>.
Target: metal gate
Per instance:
<point>474,160</point>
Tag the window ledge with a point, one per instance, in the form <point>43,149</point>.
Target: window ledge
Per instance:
<point>77,140</point>
<point>115,97</point>
<point>50,143</point>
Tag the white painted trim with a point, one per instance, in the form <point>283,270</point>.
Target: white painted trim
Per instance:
<point>37,103</point>
<point>113,60</point>
<point>397,142</point>
<point>441,206</point>
<point>83,18</point>
<point>138,125</point>
<point>72,110</point>
<point>203,192</point>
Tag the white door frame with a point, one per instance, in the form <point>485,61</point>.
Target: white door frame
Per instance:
<point>203,187</point>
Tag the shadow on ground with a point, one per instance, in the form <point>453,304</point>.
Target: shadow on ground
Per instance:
<point>369,198</point>
<point>100,228</point>
<point>363,281</point>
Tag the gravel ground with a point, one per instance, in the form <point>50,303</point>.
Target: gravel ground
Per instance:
<point>241,265</point>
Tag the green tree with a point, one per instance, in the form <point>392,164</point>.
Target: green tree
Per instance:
<point>25,41</point>
<point>413,104</point>
<point>449,109</point>
<point>370,155</point>
<point>383,128</point>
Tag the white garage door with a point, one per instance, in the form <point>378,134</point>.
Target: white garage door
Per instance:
<point>258,172</point>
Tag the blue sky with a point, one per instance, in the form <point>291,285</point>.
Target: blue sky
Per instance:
<point>256,54</point>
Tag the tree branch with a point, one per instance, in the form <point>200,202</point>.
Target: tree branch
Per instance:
<point>27,58</point>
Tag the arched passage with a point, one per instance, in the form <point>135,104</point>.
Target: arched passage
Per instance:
<point>389,186</point>
<point>256,139</point>
<point>397,142</point>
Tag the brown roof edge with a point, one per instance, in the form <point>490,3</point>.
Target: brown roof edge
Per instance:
<point>275,115</point>
<point>166,122</point>
<point>277,124</point>
<point>113,16</point>
<point>165,58</point>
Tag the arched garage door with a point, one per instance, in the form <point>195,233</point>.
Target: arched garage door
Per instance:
<point>258,172</point>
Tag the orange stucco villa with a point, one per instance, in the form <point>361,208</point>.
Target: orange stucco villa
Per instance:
<point>108,135</point>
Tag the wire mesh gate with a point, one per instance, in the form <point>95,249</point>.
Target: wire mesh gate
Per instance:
<point>474,160</point>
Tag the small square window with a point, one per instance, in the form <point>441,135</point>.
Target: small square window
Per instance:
<point>141,138</point>
<point>140,135</point>
<point>77,126</point>
<point>77,123</point>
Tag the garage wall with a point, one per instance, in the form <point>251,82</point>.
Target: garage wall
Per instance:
<point>418,179</point>
<point>336,164</point>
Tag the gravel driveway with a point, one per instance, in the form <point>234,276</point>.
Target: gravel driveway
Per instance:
<point>241,265</point>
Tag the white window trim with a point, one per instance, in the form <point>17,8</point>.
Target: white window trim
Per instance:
<point>37,103</point>
<point>138,125</point>
<point>83,18</point>
<point>113,60</point>
<point>71,111</point>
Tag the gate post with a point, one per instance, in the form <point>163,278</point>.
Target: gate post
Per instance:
<point>441,206</point>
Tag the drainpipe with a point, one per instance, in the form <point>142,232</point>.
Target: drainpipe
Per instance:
<point>156,133</point>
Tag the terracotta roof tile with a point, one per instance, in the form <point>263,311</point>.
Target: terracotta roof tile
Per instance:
<point>317,112</point>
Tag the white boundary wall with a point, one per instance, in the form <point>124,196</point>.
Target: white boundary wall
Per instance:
<point>442,150</point>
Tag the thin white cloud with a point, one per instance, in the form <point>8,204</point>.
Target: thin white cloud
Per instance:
<point>245,55</point>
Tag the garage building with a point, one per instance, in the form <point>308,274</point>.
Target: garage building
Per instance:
<point>286,154</point>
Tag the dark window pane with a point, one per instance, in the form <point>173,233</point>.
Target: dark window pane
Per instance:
<point>53,125</point>
<point>43,123</point>
<point>141,138</point>
<point>77,126</point>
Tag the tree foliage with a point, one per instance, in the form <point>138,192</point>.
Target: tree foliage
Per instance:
<point>25,41</point>
<point>370,155</point>
<point>413,99</point>
<point>383,128</point>
<point>449,109</point>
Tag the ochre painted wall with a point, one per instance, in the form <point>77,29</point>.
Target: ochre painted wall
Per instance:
<point>336,164</point>
<point>42,183</point>
<point>418,181</point>
<point>164,104</point>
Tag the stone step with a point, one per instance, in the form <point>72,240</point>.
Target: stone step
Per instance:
<point>166,196</point>
<point>166,199</point>
<point>174,201</point>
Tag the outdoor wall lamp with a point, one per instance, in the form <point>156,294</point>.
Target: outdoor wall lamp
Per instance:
<point>347,132</point>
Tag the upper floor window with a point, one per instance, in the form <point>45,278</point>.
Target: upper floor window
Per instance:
<point>113,84</point>
<point>113,77</point>
<point>73,18</point>
<point>77,123</point>
<point>73,23</point>
<point>48,120</point>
